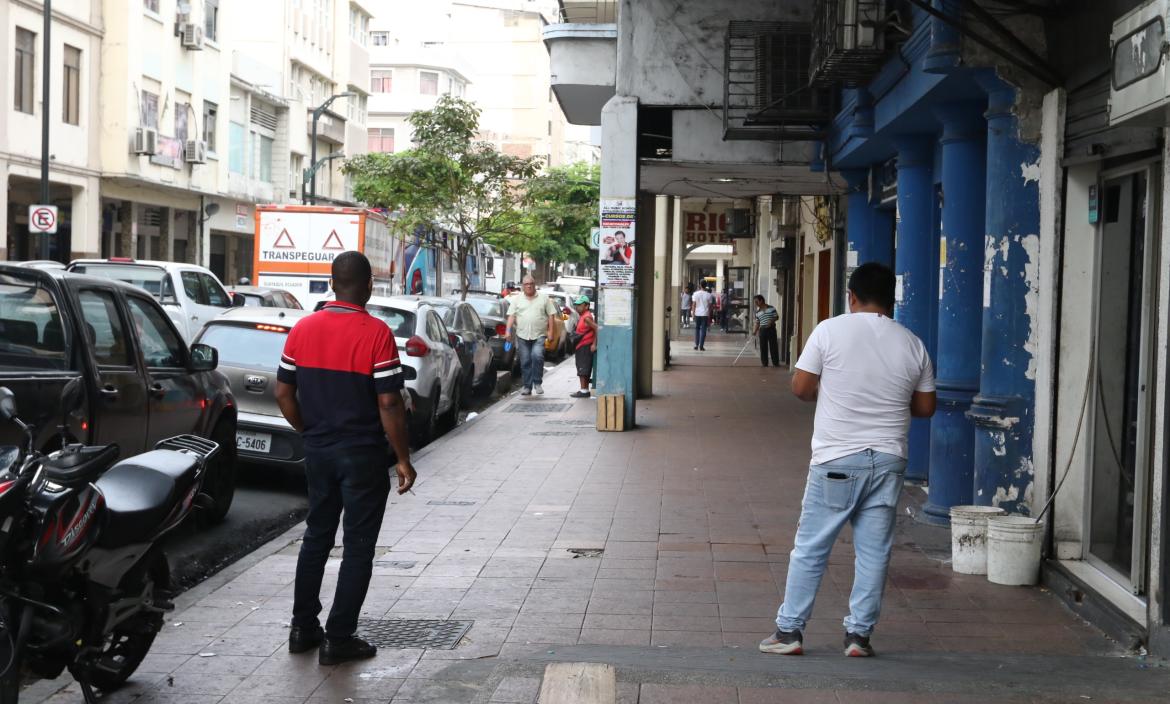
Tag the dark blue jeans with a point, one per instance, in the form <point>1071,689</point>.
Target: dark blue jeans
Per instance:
<point>701,323</point>
<point>531,360</point>
<point>356,480</point>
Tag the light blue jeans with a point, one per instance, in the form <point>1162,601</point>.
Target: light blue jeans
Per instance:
<point>861,489</point>
<point>531,360</point>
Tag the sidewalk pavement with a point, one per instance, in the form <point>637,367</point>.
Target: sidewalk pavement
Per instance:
<point>661,551</point>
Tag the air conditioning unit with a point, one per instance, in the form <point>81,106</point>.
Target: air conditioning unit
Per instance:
<point>192,36</point>
<point>196,152</point>
<point>146,141</point>
<point>740,223</point>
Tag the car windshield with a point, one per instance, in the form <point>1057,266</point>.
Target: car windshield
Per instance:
<point>31,334</point>
<point>152,279</point>
<point>400,321</point>
<point>245,347</point>
<point>487,306</point>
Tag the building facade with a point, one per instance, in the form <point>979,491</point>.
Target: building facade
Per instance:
<point>1008,165</point>
<point>75,160</point>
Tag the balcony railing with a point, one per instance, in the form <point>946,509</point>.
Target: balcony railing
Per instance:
<point>766,92</point>
<point>587,11</point>
<point>849,41</point>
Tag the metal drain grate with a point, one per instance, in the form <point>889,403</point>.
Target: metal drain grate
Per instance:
<point>450,503</point>
<point>553,433</point>
<point>413,633</point>
<point>532,407</point>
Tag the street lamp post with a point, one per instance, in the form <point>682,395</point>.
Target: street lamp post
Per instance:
<point>45,97</point>
<point>310,174</point>
<point>317,113</point>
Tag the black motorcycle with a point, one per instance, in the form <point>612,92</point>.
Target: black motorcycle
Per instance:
<point>83,582</point>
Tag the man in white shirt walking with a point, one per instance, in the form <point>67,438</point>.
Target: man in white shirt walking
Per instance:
<point>868,376</point>
<point>703,304</point>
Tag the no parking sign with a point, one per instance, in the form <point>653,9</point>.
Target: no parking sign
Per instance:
<point>42,219</point>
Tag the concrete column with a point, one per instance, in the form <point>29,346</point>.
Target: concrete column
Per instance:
<point>676,266</point>
<point>960,320</point>
<point>869,230</point>
<point>915,266</point>
<point>619,179</point>
<point>6,242</point>
<point>1002,411</point>
<point>719,273</point>
<point>167,235</point>
<point>659,283</point>
<point>127,230</point>
<point>648,323</point>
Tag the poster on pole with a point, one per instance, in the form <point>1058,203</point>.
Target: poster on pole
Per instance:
<point>615,253</point>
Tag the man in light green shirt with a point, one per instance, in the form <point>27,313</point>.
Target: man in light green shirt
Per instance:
<point>531,318</point>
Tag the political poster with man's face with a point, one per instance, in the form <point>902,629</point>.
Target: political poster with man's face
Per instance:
<point>615,254</point>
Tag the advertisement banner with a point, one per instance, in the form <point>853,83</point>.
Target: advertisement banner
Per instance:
<point>615,253</point>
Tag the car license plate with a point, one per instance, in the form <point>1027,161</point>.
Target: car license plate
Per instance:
<point>253,442</point>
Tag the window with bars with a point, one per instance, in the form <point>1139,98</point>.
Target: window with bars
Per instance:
<point>211,19</point>
<point>148,110</point>
<point>381,139</point>
<point>428,83</point>
<point>381,81</point>
<point>71,86</point>
<point>210,115</point>
<point>25,71</point>
<point>380,38</point>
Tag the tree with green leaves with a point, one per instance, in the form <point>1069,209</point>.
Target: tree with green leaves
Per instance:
<point>449,179</point>
<point>562,210</point>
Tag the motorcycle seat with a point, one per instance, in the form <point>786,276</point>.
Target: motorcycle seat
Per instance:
<point>141,493</point>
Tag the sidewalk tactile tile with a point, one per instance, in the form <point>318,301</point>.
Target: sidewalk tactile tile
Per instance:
<point>538,407</point>
<point>413,633</point>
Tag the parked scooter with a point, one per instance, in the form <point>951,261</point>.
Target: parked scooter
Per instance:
<point>83,582</point>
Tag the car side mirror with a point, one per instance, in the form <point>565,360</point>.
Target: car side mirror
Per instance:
<point>7,403</point>
<point>204,358</point>
<point>238,300</point>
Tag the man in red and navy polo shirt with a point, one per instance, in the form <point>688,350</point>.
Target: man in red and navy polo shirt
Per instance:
<point>338,385</point>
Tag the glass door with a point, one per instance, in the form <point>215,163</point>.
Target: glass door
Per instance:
<point>1119,476</point>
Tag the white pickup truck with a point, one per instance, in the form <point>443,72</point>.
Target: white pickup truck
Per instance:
<point>190,294</point>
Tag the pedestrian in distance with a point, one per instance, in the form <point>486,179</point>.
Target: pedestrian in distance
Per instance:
<point>685,304</point>
<point>338,385</point>
<point>586,347</point>
<point>766,317</point>
<point>725,310</point>
<point>531,320</point>
<point>868,375</point>
<point>703,306</point>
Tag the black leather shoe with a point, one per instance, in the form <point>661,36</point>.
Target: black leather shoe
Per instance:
<point>301,639</point>
<point>335,651</point>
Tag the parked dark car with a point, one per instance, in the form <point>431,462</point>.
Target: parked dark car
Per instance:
<point>471,344</point>
<point>139,382</point>
<point>260,297</point>
<point>493,311</point>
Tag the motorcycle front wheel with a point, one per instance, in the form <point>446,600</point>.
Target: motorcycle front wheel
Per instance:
<point>127,645</point>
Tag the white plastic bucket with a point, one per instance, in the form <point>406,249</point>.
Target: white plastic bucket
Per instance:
<point>1013,550</point>
<point>969,537</point>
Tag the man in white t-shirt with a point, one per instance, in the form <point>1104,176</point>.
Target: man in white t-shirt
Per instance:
<point>868,376</point>
<point>703,305</point>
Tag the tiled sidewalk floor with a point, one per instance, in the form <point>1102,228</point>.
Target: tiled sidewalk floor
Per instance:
<point>695,512</point>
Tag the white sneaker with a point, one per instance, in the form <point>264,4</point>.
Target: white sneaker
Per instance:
<point>526,391</point>
<point>538,389</point>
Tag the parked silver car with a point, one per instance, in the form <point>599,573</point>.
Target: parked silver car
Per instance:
<point>191,295</point>
<point>249,341</point>
<point>426,346</point>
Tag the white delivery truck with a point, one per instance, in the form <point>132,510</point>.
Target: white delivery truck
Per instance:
<point>296,244</point>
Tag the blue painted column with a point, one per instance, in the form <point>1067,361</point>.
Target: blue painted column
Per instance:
<point>915,265</point>
<point>870,231</point>
<point>960,313</point>
<point>943,54</point>
<point>1003,410</point>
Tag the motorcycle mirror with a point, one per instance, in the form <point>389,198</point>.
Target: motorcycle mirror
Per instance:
<point>72,395</point>
<point>7,403</point>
